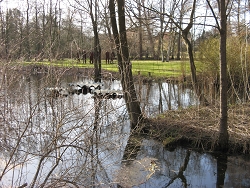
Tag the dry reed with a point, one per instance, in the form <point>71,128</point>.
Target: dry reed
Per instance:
<point>199,127</point>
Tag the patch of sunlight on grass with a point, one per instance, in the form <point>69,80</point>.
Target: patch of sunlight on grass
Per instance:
<point>152,68</point>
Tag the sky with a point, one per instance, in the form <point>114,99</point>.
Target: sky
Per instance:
<point>22,3</point>
<point>11,3</point>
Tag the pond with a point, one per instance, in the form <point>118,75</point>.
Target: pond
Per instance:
<point>77,140</point>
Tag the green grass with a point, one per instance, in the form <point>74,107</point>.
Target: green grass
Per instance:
<point>161,69</point>
<point>143,67</point>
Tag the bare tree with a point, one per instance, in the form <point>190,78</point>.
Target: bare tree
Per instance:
<point>148,22</point>
<point>125,66</point>
<point>107,26</point>
<point>27,36</point>
<point>185,32</point>
<point>92,7</point>
<point>221,25</point>
<point>162,29</point>
<point>140,28</point>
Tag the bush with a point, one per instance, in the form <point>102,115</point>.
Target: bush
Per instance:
<point>209,56</point>
<point>237,57</point>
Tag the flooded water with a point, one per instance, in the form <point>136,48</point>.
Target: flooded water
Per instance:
<point>82,141</point>
<point>183,168</point>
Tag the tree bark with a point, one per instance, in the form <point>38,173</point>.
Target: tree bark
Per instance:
<point>222,142</point>
<point>27,42</point>
<point>223,129</point>
<point>97,46</point>
<point>125,66</point>
<point>185,33</point>
<point>140,30</point>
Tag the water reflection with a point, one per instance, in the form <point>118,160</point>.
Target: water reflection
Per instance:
<point>183,168</point>
<point>83,141</point>
<point>157,97</point>
<point>221,170</point>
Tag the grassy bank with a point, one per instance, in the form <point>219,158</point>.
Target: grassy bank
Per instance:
<point>195,126</point>
<point>153,68</point>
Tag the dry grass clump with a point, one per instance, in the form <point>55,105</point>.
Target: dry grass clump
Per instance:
<point>200,126</point>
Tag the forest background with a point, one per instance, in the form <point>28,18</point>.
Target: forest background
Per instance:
<point>47,31</point>
<point>209,38</point>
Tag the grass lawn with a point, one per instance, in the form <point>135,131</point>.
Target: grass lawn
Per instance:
<point>154,68</point>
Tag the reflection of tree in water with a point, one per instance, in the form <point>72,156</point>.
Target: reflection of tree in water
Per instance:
<point>132,148</point>
<point>144,98</point>
<point>180,173</point>
<point>68,149</point>
<point>164,96</point>
<point>59,138</point>
<point>221,169</point>
<point>135,171</point>
<point>94,139</point>
<point>160,97</point>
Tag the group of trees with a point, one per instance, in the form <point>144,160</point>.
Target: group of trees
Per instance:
<point>41,31</point>
<point>57,131</point>
<point>56,29</point>
<point>148,28</point>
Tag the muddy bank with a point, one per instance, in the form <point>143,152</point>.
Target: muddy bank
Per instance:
<point>199,127</point>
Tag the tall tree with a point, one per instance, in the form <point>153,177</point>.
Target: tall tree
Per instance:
<point>91,7</point>
<point>162,30</point>
<point>27,37</point>
<point>97,46</point>
<point>223,138</point>
<point>11,29</point>
<point>183,2</point>
<point>185,35</point>
<point>148,24</point>
<point>108,27</point>
<point>140,29</point>
<point>125,66</point>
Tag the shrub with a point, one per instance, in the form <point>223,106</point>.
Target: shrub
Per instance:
<point>237,57</point>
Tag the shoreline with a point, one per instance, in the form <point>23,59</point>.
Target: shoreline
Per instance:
<point>196,127</point>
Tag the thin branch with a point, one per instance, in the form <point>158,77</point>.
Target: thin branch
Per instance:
<point>215,17</point>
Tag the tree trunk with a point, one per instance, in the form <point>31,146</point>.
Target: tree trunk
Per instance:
<point>198,90</point>
<point>223,132</point>
<point>140,30</point>
<point>149,31</point>
<point>97,55</point>
<point>97,46</point>
<point>178,56</point>
<point>185,33</point>
<point>125,66</point>
<point>108,27</point>
<point>162,32</point>
<point>27,42</point>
